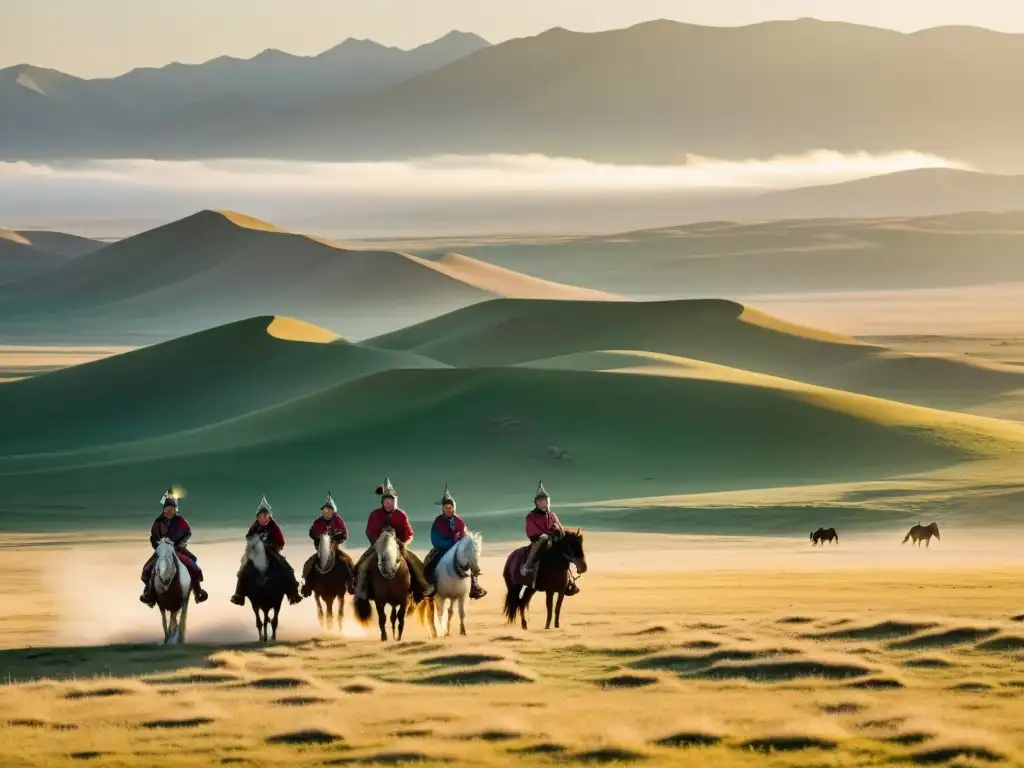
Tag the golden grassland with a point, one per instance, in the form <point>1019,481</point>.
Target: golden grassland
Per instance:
<point>915,660</point>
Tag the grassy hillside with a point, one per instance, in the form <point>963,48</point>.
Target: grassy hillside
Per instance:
<point>215,267</point>
<point>190,382</point>
<point>745,258</point>
<point>492,432</point>
<point>20,257</point>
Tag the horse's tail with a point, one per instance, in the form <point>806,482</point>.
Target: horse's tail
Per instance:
<point>513,603</point>
<point>907,537</point>
<point>421,610</point>
<point>363,610</point>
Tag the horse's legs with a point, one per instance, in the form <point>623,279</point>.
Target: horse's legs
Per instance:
<point>451,617</point>
<point>549,598</point>
<point>273,622</point>
<point>462,614</point>
<point>329,601</point>
<point>163,620</point>
<point>558,609</point>
<point>401,620</point>
<point>319,609</point>
<point>432,617</point>
<point>183,619</point>
<point>381,620</point>
<point>259,621</point>
<point>928,542</point>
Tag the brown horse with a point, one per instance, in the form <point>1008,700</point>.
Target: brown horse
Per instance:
<point>553,578</point>
<point>925,532</point>
<point>333,575</point>
<point>390,584</point>
<point>172,585</point>
<point>822,535</point>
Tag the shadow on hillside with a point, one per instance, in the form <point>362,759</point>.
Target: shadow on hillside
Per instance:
<point>19,665</point>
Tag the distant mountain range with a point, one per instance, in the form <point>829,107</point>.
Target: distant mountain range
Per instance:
<point>649,93</point>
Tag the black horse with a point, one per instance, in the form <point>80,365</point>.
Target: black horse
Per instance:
<point>553,577</point>
<point>822,535</point>
<point>264,584</point>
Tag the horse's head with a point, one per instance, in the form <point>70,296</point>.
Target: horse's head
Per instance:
<point>166,560</point>
<point>934,528</point>
<point>256,553</point>
<point>325,552</point>
<point>469,549</point>
<point>389,554</point>
<point>571,545</point>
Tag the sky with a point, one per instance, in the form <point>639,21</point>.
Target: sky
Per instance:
<point>101,38</point>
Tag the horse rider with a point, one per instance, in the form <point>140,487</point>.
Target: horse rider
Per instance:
<point>542,529</point>
<point>445,533</point>
<point>170,525</point>
<point>267,529</point>
<point>328,521</point>
<point>388,515</point>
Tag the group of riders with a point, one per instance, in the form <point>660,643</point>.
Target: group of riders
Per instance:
<point>542,529</point>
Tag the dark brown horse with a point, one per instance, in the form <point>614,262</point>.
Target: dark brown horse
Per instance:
<point>265,585</point>
<point>333,575</point>
<point>822,535</point>
<point>390,584</point>
<point>919,532</point>
<point>553,578</point>
<point>172,585</point>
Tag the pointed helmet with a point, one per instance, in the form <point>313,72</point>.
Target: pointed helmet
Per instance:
<point>446,498</point>
<point>168,499</point>
<point>264,506</point>
<point>541,493</point>
<point>329,503</point>
<point>386,490</point>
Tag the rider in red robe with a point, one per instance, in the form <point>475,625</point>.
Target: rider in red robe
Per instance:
<point>389,516</point>
<point>273,542</point>
<point>171,525</point>
<point>543,529</point>
<point>328,521</point>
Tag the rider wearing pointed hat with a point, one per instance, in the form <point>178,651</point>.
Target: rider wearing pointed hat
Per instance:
<point>445,533</point>
<point>542,529</point>
<point>170,525</point>
<point>273,542</point>
<point>388,515</point>
<point>328,521</point>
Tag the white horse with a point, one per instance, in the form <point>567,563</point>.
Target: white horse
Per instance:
<point>172,584</point>
<point>452,574</point>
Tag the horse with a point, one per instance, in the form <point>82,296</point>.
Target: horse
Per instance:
<point>552,577</point>
<point>265,587</point>
<point>335,576</point>
<point>822,535</point>
<point>172,584</point>
<point>925,532</point>
<point>390,584</point>
<point>452,574</point>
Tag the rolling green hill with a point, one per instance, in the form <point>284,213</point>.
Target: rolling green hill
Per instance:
<point>512,332</point>
<point>491,432</point>
<point>190,382</point>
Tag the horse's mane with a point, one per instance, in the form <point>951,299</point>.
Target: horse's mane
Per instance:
<point>474,543</point>
<point>324,557</point>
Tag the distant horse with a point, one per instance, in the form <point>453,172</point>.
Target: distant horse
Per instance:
<point>335,575</point>
<point>822,535</point>
<point>265,585</point>
<point>925,532</point>
<point>452,574</point>
<point>172,584</point>
<point>390,584</point>
<point>552,577</point>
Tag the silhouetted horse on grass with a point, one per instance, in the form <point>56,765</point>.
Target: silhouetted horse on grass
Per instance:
<point>822,535</point>
<point>333,575</point>
<point>919,532</point>
<point>265,584</point>
<point>553,577</point>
